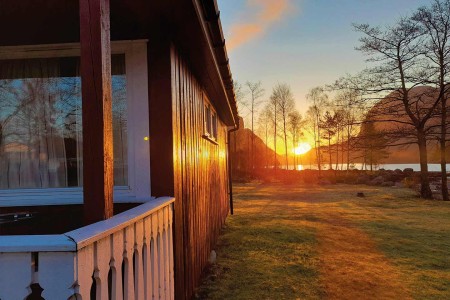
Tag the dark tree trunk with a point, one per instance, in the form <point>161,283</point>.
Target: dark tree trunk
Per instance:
<point>285,142</point>
<point>444,186</point>
<point>329,152</point>
<point>348,148</point>
<point>425,191</point>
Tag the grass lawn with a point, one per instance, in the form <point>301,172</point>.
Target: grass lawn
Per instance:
<point>323,242</point>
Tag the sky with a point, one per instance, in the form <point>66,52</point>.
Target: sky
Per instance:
<point>304,43</point>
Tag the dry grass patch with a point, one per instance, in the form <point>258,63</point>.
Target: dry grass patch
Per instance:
<point>352,267</point>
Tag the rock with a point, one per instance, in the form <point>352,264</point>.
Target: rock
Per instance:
<point>437,195</point>
<point>408,171</point>
<point>324,182</point>
<point>399,185</point>
<point>377,180</point>
<point>360,194</point>
<point>212,257</point>
<point>363,179</point>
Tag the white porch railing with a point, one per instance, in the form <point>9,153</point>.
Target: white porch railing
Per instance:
<point>126,257</point>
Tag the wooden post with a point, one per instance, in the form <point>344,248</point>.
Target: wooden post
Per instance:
<point>98,181</point>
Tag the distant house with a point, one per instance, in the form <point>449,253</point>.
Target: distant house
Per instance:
<point>114,125</point>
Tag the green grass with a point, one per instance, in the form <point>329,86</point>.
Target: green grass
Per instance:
<point>302,242</point>
<point>416,237</point>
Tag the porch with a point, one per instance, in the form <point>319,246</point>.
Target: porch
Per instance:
<point>122,76</point>
<point>128,256</point>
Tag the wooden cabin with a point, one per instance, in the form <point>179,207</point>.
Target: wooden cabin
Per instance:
<point>114,125</point>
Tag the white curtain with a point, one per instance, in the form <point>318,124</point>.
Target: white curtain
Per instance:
<point>40,123</point>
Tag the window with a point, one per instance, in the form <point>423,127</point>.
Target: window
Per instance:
<point>40,123</point>
<point>214,125</point>
<point>210,131</point>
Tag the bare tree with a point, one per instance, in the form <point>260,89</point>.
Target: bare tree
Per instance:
<point>256,92</point>
<point>349,102</point>
<point>338,115</point>
<point>265,124</point>
<point>435,21</point>
<point>319,100</point>
<point>396,52</point>
<point>310,128</point>
<point>285,100</point>
<point>294,124</point>
<point>373,144</point>
<point>239,94</point>
<point>328,126</point>
<point>273,108</point>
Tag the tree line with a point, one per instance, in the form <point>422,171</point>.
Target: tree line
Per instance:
<point>405,84</point>
<point>275,120</point>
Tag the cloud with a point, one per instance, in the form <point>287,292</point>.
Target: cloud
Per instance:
<point>261,15</point>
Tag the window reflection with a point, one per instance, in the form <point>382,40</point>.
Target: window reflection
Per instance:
<point>40,123</point>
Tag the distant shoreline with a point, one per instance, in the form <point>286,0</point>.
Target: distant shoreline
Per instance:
<point>432,167</point>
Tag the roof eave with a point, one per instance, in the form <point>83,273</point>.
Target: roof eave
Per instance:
<point>209,16</point>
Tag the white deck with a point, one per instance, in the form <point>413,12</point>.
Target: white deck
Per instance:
<point>136,243</point>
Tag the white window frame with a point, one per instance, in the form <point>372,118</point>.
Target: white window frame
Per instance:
<point>210,132</point>
<point>138,189</point>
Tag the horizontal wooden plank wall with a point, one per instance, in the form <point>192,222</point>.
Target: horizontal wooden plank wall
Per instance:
<point>200,174</point>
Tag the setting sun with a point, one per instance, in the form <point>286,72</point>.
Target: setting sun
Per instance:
<point>302,148</point>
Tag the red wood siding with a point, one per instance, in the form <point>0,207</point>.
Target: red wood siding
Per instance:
<point>183,163</point>
<point>200,176</point>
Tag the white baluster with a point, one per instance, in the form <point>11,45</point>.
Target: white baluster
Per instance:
<point>147,259</point>
<point>166,253</point>
<point>102,259</point>
<point>139,273</point>
<point>15,275</point>
<point>57,274</point>
<point>171,274</point>
<point>66,270</point>
<point>155,257</point>
<point>161,268</point>
<point>85,268</point>
<point>116,245</point>
<point>128,257</point>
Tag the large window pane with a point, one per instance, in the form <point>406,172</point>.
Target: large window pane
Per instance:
<point>40,123</point>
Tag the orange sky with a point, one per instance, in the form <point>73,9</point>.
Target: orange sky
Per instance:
<point>263,14</point>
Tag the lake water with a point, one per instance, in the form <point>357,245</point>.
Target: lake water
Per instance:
<point>415,167</point>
